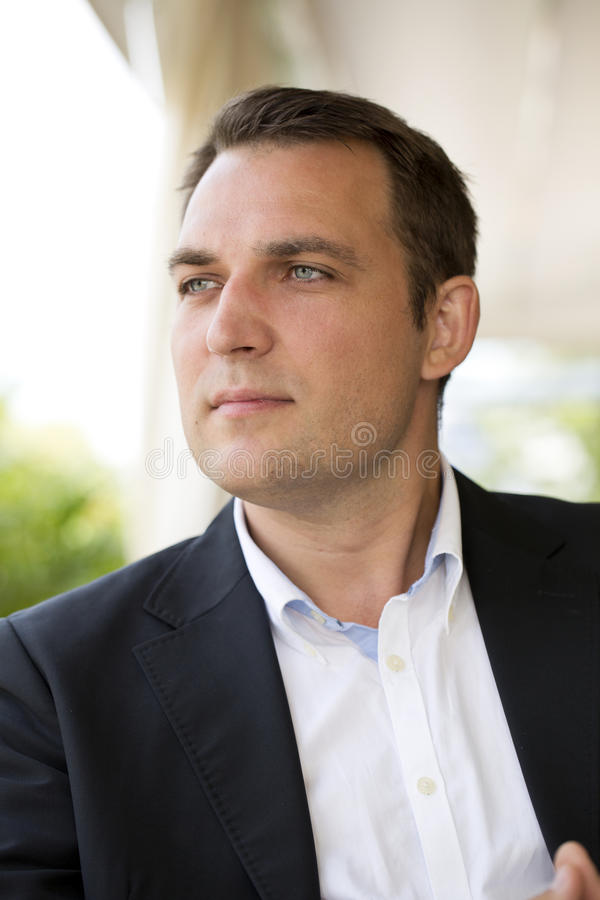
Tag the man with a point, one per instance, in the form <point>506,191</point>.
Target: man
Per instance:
<point>370,678</point>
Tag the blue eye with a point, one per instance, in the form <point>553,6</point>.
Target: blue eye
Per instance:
<point>197,285</point>
<point>307,273</point>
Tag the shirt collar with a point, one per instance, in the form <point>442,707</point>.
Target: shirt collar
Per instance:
<point>445,544</point>
<point>276,588</point>
<point>445,548</point>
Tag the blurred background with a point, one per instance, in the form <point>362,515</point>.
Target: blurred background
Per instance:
<point>102,103</point>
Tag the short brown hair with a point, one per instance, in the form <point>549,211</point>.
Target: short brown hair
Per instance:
<point>432,213</point>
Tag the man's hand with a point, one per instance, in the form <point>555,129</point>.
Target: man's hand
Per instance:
<point>576,876</point>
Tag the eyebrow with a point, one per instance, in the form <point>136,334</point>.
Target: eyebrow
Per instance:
<point>310,244</point>
<point>188,256</point>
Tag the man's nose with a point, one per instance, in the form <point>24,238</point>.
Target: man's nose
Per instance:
<point>239,324</point>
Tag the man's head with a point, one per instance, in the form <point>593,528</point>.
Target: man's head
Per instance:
<point>298,336</point>
<point>431,213</point>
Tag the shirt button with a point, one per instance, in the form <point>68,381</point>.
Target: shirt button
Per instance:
<point>426,786</point>
<point>317,616</point>
<point>395,663</point>
<point>310,649</point>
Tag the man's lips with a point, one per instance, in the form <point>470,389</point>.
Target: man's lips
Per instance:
<point>234,403</point>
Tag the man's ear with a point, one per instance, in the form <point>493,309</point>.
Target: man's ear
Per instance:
<point>452,323</point>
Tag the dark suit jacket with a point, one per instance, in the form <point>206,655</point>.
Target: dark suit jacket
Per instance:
<point>146,746</point>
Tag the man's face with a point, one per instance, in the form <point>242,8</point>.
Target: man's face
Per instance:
<point>293,324</point>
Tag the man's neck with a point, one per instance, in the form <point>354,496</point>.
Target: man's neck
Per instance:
<point>352,561</point>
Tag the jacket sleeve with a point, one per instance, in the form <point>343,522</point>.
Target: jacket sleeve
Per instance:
<point>38,842</point>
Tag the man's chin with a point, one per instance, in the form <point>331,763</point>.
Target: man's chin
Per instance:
<point>279,477</point>
<point>272,493</point>
<point>272,478</point>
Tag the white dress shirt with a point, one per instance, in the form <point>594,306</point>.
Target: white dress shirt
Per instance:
<point>413,783</point>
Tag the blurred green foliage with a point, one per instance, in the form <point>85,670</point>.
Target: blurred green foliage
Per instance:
<point>524,416</point>
<point>551,449</point>
<point>583,420</point>
<point>60,522</point>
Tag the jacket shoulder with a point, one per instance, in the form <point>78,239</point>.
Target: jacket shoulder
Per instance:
<point>110,597</point>
<point>578,523</point>
<point>531,522</point>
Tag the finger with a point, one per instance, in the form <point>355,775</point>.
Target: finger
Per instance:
<point>567,885</point>
<point>573,855</point>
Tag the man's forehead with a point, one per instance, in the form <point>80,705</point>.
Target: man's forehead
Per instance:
<point>295,159</point>
<point>338,181</point>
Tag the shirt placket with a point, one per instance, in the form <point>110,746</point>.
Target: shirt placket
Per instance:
<point>424,782</point>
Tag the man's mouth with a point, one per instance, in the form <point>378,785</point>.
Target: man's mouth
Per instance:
<point>245,401</point>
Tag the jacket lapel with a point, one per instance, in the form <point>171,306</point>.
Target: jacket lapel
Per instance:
<point>218,681</point>
<point>538,612</point>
